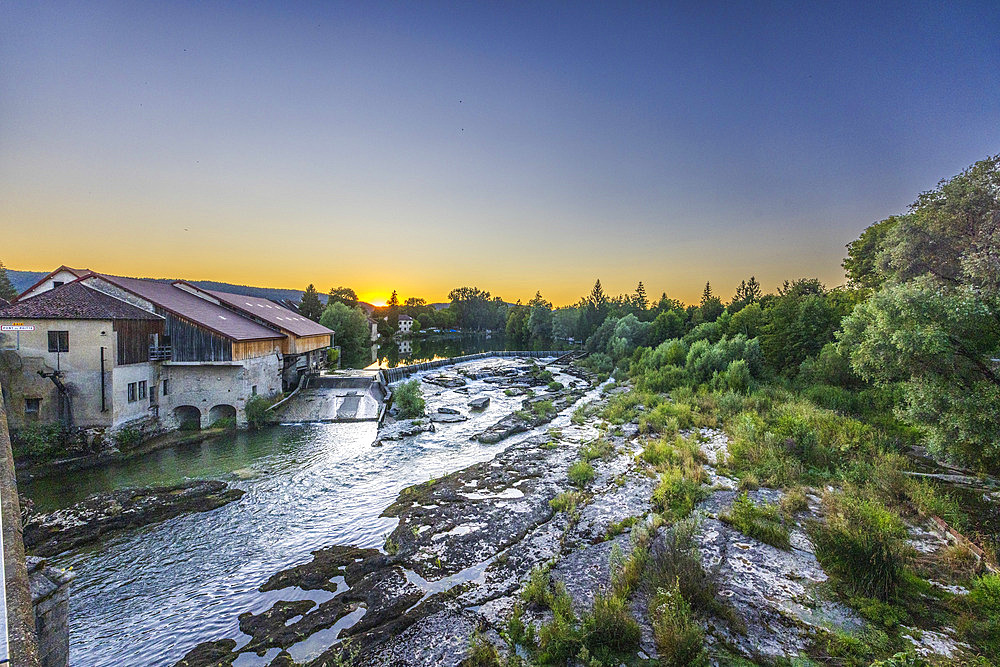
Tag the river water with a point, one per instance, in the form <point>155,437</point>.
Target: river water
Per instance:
<point>148,596</point>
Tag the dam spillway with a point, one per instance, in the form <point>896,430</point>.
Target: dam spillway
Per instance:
<point>335,398</point>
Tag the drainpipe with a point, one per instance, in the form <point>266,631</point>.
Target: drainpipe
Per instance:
<point>104,405</point>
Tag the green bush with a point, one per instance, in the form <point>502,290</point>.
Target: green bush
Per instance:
<point>761,522</point>
<point>536,592</point>
<point>667,417</point>
<point>581,473</point>
<point>662,380</point>
<point>409,399</point>
<point>567,501</point>
<point>555,386</point>
<point>37,441</point>
<point>482,652</point>
<point>332,356</point>
<point>609,631</point>
<point>863,545</point>
<point>680,641</point>
<point>678,493</point>
<point>598,449</point>
<point>128,437</point>
<point>980,624</point>
<point>543,409</point>
<point>256,411</point>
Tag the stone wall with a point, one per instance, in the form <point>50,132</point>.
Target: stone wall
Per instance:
<point>50,600</point>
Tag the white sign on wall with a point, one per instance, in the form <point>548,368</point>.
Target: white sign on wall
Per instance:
<point>17,327</point>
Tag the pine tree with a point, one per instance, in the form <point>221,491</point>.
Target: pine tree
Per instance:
<point>392,307</point>
<point>310,305</point>
<point>707,294</point>
<point>640,300</point>
<point>7,291</point>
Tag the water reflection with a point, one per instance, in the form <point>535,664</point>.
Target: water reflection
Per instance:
<point>418,350</point>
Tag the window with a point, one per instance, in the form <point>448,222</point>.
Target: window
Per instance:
<point>58,341</point>
<point>132,392</point>
<point>58,283</point>
<point>166,387</point>
<point>253,390</point>
<point>32,406</point>
<point>142,389</point>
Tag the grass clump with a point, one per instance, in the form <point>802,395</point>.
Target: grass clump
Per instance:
<point>679,491</point>
<point>482,652</point>
<point>598,449</point>
<point>409,399</point>
<point>761,522</point>
<point>567,501</point>
<point>581,473</point>
<point>863,545</point>
<point>543,409</point>
<point>609,633</point>
<point>679,639</point>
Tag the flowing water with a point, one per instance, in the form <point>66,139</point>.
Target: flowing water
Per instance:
<point>148,596</point>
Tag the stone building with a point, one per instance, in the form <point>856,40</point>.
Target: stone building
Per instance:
<point>79,357</point>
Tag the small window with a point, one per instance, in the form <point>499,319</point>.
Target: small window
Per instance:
<point>166,387</point>
<point>253,390</point>
<point>133,391</point>
<point>32,406</point>
<point>142,389</point>
<point>58,341</point>
<point>58,283</point>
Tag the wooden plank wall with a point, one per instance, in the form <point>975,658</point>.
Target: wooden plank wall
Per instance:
<point>250,349</point>
<point>191,342</point>
<point>134,339</point>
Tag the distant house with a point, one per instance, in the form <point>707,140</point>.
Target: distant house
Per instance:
<point>83,359</point>
<point>405,323</point>
<point>373,327</point>
<point>60,276</point>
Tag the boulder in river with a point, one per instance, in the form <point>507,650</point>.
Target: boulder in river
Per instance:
<point>448,411</point>
<point>479,403</point>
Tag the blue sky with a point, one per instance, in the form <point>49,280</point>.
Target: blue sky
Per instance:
<point>515,146</point>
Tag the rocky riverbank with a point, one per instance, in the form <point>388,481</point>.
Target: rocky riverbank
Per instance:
<point>571,511</point>
<point>106,513</point>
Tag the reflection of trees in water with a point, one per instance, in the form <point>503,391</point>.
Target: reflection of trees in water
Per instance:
<point>416,350</point>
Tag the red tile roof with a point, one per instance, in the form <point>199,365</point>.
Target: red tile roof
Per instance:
<point>204,313</point>
<point>74,301</point>
<point>272,313</point>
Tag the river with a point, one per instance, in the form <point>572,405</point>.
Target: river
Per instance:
<point>148,596</point>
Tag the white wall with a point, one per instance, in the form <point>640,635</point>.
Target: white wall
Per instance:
<point>206,385</point>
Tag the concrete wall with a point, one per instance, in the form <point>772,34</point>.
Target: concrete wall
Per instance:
<point>121,377</point>
<point>50,599</point>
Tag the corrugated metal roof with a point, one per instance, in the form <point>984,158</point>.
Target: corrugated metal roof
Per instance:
<point>271,312</point>
<point>74,301</point>
<point>195,309</point>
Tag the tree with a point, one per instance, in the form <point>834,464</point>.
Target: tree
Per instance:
<point>7,291</point>
<point>748,292</point>
<point>934,324</point>
<point>594,311</point>
<point>799,322</point>
<point>344,295</point>
<point>351,333</point>
<point>474,309</point>
<point>862,264</point>
<point>639,299</point>
<point>540,321</point>
<point>711,305</point>
<point>516,329</point>
<point>310,305</point>
<point>392,311</point>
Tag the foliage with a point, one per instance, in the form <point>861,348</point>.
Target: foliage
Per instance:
<point>344,295</point>
<point>581,473</point>
<point>761,522</point>
<point>980,623</point>
<point>7,291</point>
<point>747,292</point>
<point>332,356</point>
<point>37,440</point>
<point>679,491</point>
<point>863,255</point>
<point>310,305</point>
<point>862,544</point>
<point>567,501</point>
<point>482,652</point>
<point>609,631</point>
<point>680,641</point>
<point>256,411</point>
<point>352,334</point>
<point>408,398</point>
<point>128,437</point>
<point>476,310</point>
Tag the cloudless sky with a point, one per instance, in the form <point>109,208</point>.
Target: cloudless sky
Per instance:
<point>513,146</point>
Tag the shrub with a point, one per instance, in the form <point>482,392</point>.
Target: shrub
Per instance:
<point>482,652</point>
<point>409,399</point>
<point>598,449</point>
<point>555,386</point>
<point>256,411</point>
<point>674,558</point>
<point>667,417</point>
<point>761,522</point>
<point>581,473</point>
<point>863,545</point>
<point>609,631</point>
<point>559,640</point>
<point>37,441</point>
<point>128,437</point>
<point>536,591</point>
<point>332,356</point>
<point>679,639</point>
<point>677,493</point>
<point>980,624</point>
<point>599,363</point>
<point>662,380</point>
<point>567,501</point>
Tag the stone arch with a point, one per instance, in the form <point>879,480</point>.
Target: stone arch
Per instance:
<point>222,411</point>
<point>188,417</point>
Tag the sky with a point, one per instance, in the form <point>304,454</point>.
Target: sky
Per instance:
<point>516,147</point>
